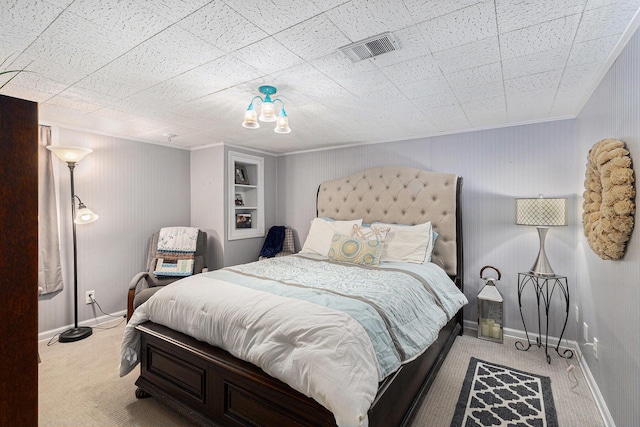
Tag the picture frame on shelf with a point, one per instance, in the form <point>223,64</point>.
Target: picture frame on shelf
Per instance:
<point>243,220</point>
<point>241,175</point>
<point>244,175</point>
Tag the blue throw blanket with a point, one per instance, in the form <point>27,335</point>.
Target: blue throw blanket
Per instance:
<point>274,241</point>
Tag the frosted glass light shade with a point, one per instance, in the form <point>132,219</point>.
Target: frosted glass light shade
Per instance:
<point>70,154</point>
<point>85,215</point>
<point>251,118</point>
<point>267,111</point>
<point>282,125</point>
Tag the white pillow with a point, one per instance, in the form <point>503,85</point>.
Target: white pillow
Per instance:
<point>375,232</point>
<point>407,243</point>
<point>322,231</point>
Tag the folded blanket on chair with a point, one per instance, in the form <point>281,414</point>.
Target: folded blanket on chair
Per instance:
<point>273,242</point>
<point>176,251</point>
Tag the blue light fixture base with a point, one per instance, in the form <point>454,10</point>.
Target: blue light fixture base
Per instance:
<point>267,90</point>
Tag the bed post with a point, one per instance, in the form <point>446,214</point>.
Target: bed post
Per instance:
<point>459,250</point>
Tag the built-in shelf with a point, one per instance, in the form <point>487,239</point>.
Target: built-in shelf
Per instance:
<point>246,196</point>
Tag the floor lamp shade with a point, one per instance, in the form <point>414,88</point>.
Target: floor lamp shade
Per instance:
<point>542,213</point>
<point>84,214</point>
<point>72,155</point>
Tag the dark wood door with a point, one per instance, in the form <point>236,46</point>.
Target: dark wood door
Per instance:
<point>18,262</point>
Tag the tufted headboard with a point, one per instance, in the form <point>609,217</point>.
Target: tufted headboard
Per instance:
<point>402,195</point>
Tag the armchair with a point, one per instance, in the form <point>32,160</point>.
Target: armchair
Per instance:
<point>145,284</point>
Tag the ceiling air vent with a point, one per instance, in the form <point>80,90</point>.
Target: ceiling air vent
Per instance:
<point>368,48</point>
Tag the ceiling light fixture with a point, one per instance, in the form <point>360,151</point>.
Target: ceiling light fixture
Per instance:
<point>169,136</point>
<point>267,113</point>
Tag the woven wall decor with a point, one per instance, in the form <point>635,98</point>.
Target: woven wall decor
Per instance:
<point>608,206</point>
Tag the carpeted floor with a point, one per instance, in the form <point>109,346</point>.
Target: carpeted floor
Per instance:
<point>494,394</point>
<point>575,407</point>
<point>79,385</point>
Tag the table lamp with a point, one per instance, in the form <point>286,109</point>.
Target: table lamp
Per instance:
<point>542,213</point>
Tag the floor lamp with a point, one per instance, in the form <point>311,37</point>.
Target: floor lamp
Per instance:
<point>72,155</point>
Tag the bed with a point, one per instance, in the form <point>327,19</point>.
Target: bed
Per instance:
<point>213,387</point>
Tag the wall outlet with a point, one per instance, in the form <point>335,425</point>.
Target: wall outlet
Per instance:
<point>88,295</point>
<point>585,332</point>
<point>595,347</point>
<point>577,314</point>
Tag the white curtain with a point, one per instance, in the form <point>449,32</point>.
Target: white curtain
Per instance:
<point>49,268</point>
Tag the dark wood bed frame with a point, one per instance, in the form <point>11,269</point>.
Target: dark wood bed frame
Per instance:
<point>211,387</point>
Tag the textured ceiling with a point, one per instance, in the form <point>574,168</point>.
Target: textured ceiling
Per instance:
<point>141,69</point>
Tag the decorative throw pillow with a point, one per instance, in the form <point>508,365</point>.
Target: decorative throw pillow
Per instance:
<point>370,232</point>
<point>321,232</point>
<point>355,250</point>
<point>408,243</point>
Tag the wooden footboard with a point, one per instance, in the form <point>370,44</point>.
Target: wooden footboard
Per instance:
<point>211,387</point>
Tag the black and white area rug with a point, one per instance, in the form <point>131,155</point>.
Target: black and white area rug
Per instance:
<point>495,395</point>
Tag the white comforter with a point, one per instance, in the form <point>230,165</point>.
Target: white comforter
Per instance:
<point>319,351</point>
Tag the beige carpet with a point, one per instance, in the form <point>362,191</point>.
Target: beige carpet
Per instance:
<point>575,406</point>
<point>79,385</point>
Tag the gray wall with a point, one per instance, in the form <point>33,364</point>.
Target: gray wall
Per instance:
<point>207,199</point>
<point>609,290</point>
<point>135,188</point>
<point>209,204</point>
<point>497,165</point>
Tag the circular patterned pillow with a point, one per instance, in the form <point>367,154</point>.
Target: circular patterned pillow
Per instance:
<point>355,250</point>
<point>608,206</point>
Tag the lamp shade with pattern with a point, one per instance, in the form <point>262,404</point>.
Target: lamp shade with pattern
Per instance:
<point>542,213</point>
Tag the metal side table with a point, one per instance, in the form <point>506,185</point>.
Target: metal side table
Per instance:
<point>544,287</point>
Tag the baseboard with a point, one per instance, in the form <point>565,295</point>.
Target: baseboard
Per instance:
<point>471,328</point>
<point>595,391</point>
<point>96,321</point>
